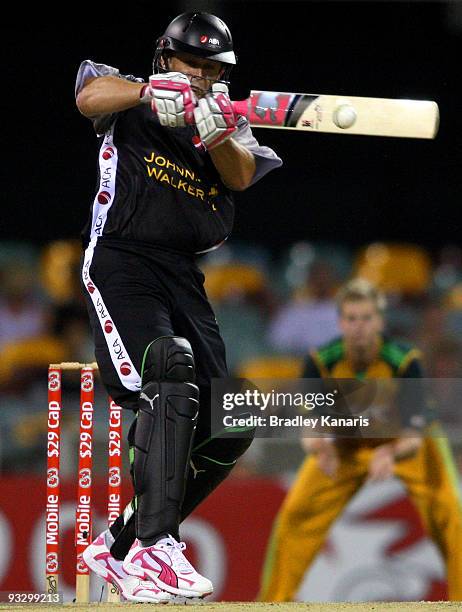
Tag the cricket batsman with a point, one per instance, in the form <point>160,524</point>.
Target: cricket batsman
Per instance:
<point>171,155</point>
<point>336,468</point>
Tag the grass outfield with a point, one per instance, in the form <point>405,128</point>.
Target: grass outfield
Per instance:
<point>257,607</point>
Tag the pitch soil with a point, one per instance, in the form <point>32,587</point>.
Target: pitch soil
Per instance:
<point>442,606</point>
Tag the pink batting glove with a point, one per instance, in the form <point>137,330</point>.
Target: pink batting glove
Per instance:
<point>215,117</point>
<point>172,99</point>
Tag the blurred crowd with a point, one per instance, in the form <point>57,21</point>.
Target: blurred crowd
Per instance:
<point>271,309</point>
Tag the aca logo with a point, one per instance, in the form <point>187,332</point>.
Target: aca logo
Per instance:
<point>125,369</point>
<point>52,563</point>
<point>52,478</point>
<point>104,197</point>
<point>108,153</point>
<point>84,478</point>
<point>114,477</point>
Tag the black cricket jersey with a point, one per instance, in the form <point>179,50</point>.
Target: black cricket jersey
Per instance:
<point>155,186</point>
<point>158,185</point>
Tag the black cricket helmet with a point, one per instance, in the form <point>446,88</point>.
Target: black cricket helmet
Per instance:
<point>199,34</point>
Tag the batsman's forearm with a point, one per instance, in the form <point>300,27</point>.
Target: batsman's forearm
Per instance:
<point>108,94</point>
<point>235,164</point>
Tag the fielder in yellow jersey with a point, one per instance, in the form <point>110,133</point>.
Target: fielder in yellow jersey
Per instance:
<point>335,469</point>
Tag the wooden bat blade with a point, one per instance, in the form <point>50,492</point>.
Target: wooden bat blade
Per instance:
<point>341,114</point>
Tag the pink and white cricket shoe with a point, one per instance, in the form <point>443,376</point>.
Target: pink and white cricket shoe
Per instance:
<point>165,564</point>
<point>99,559</point>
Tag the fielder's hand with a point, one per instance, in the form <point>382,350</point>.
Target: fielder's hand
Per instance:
<point>172,99</point>
<point>215,117</point>
<point>382,463</point>
<point>326,453</point>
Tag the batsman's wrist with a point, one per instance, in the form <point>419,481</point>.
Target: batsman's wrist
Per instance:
<point>220,140</point>
<point>145,94</point>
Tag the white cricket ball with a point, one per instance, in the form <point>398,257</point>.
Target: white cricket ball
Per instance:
<point>344,116</point>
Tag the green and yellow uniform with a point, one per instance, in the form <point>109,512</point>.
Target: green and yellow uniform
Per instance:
<point>315,500</point>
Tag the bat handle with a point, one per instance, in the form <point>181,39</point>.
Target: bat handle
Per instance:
<point>241,107</point>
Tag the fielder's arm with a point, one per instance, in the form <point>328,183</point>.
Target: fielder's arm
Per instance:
<point>411,403</point>
<point>385,456</point>
<point>323,447</point>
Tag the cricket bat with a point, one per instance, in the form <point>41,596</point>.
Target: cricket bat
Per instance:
<point>340,114</point>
